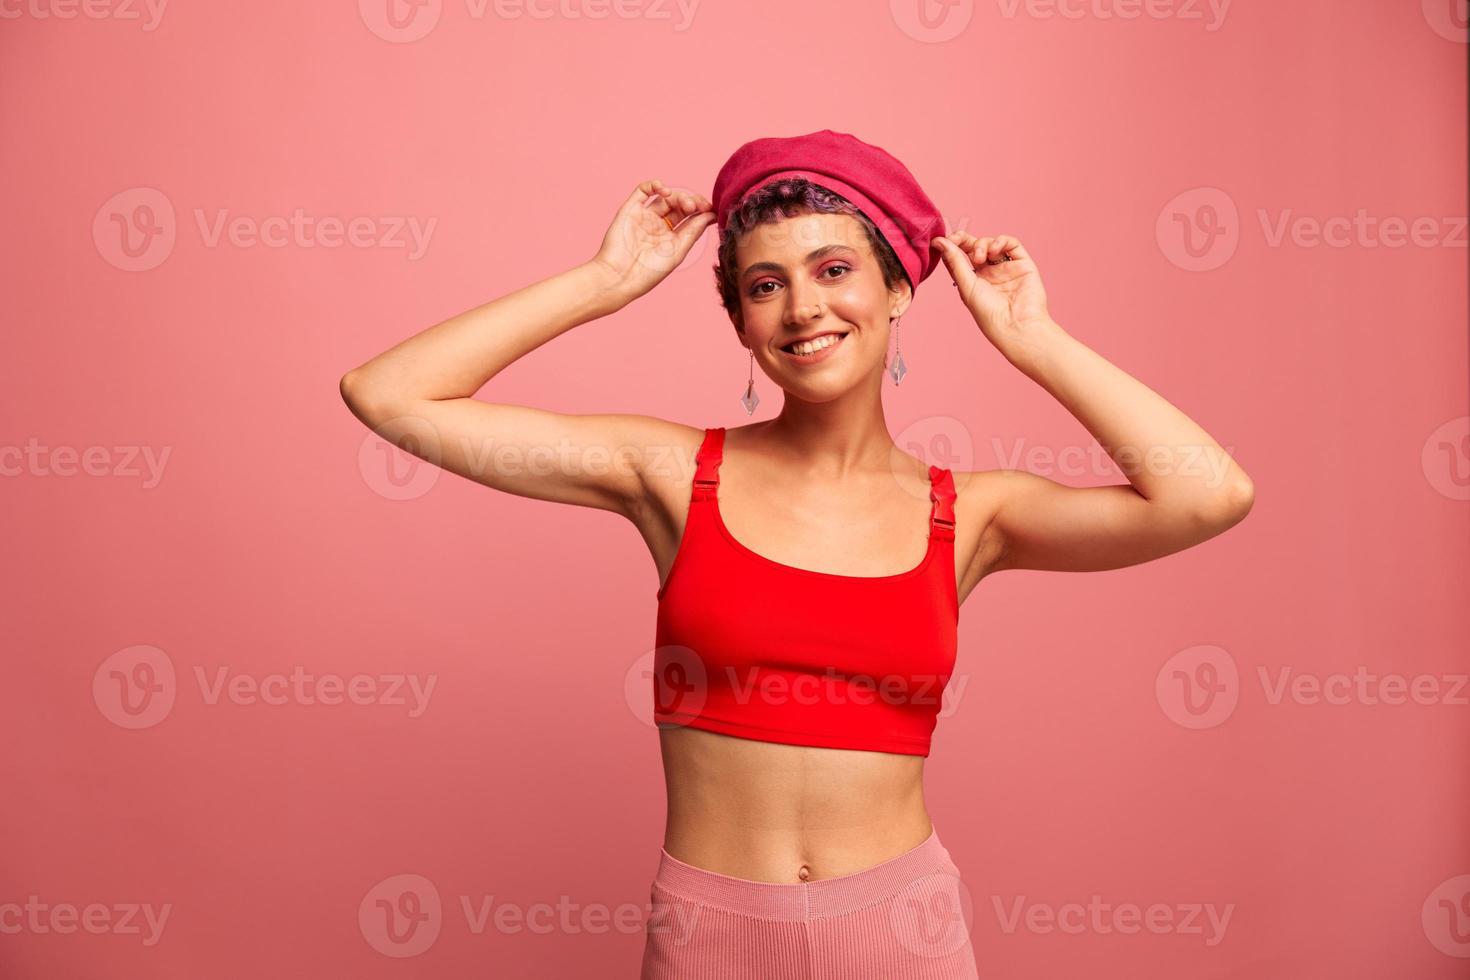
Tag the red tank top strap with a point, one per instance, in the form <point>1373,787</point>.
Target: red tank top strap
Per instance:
<point>707,463</point>
<point>941,491</point>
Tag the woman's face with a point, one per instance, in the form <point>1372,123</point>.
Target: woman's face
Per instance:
<point>815,274</point>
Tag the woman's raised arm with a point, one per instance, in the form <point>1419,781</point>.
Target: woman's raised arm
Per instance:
<point>1183,487</point>
<point>419,393</point>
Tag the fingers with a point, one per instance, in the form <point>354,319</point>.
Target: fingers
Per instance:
<point>990,250</point>
<point>956,259</point>
<point>974,248</point>
<point>695,226</point>
<point>1004,248</point>
<point>675,203</point>
<point>652,194</point>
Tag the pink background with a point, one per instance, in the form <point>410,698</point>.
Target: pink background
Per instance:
<point>1071,766</point>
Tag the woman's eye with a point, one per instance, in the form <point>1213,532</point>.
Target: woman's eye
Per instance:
<point>756,290</point>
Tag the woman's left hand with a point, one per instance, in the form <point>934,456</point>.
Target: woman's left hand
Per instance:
<point>998,282</point>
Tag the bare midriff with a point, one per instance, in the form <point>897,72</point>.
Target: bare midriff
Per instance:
<point>767,811</point>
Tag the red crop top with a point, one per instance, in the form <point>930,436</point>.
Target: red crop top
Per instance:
<point>750,647</point>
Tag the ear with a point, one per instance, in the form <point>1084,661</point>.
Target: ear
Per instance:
<point>900,296</point>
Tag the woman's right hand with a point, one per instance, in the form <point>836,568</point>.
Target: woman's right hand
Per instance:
<point>640,248</point>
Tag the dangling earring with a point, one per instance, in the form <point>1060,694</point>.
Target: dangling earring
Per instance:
<point>750,399</point>
<point>897,368</point>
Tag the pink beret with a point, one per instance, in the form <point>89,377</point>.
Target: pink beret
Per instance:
<point>868,176</point>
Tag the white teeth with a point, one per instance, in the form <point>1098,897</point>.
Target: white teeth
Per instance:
<point>812,346</point>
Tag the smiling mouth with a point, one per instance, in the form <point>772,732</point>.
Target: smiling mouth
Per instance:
<point>807,348</point>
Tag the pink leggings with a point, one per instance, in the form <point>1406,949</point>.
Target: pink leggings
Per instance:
<point>903,918</point>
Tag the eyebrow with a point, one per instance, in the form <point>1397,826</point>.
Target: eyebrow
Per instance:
<point>812,256</point>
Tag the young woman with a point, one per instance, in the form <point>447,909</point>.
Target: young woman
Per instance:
<point>810,570</point>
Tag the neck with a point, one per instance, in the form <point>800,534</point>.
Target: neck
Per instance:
<point>832,438</point>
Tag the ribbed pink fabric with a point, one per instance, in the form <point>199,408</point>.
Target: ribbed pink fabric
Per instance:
<point>903,918</point>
